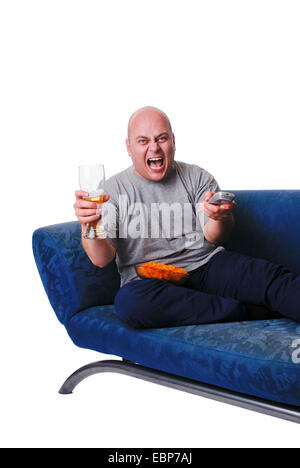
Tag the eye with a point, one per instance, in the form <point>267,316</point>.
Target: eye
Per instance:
<point>142,142</point>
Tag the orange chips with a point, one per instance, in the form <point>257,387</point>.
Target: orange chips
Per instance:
<point>170,273</point>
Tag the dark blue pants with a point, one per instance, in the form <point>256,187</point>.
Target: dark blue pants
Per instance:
<point>219,291</point>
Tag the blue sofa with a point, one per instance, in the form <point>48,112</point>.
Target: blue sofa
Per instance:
<point>253,364</point>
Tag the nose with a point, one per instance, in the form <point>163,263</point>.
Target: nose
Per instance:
<point>154,147</point>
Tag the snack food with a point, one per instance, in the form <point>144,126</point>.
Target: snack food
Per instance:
<point>157,270</point>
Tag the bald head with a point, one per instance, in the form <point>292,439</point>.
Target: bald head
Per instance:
<point>150,136</point>
<point>146,112</point>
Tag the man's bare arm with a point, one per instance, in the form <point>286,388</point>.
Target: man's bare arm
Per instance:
<point>218,232</point>
<point>220,225</point>
<point>100,251</point>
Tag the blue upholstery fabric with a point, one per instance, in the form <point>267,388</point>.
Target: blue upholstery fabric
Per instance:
<point>249,357</point>
<point>70,279</point>
<point>268,226</point>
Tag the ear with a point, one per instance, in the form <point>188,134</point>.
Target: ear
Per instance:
<point>128,147</point>
<point>174,141</point>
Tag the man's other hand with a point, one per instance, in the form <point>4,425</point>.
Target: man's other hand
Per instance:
<point>216,212</point>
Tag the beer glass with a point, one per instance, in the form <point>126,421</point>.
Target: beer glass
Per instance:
<point>91,180</point>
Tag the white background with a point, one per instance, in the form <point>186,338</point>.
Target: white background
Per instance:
<point>227,73</point>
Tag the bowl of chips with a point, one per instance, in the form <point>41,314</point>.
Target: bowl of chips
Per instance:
<point>162,271</point>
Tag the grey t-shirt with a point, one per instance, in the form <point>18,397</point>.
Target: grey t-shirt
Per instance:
<point>158,221</point>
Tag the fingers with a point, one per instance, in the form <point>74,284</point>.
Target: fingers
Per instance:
<point>225,207</point>
<point>87,215</point>
<point>217,212</point>
<point>208,195</point>
<point>228,206</point>
<point>87,211</point>
<point>81,194</point>
<point>88,219</point>
<point>208,207</point>
<point>81,203</point>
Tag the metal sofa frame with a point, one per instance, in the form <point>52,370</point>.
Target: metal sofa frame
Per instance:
<point>270,408</point>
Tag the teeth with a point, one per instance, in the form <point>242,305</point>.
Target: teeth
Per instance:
<point>155,159</point>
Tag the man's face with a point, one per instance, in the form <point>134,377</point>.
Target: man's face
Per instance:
<point>151,137</point>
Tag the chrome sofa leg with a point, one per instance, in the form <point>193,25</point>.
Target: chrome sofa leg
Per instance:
<point>271,408</point>
<point>92,369</point>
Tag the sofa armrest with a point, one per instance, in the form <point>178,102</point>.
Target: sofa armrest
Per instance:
<point>70,279</point>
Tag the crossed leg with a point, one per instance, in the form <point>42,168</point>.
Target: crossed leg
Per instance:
<point>152,303</point>
<point>215,292</point>
<point>252,281</point>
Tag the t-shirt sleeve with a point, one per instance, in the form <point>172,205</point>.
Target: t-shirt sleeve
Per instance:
<point>205,182</point>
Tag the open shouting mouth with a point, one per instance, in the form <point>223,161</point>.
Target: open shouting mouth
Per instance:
<point>156,163</point>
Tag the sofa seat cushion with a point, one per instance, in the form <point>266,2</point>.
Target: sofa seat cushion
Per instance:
<point>257,358</point>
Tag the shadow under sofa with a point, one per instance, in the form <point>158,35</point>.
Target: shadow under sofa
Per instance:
<point>251,364</point>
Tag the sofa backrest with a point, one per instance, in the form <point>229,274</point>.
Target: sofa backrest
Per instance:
<point>267,226</point>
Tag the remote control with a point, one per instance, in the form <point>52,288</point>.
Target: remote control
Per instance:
<point>221,197</point>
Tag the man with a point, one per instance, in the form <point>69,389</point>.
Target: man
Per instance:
<point>222,285</point>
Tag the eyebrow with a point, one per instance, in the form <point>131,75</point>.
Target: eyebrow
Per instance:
<point>146,138</point>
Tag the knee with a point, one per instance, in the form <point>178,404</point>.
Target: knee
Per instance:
<point>129,306</point>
